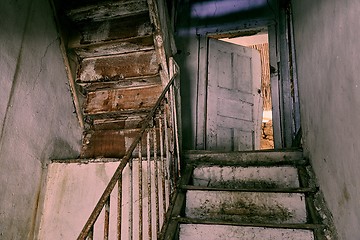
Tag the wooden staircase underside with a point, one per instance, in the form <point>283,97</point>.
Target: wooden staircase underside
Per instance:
<point>115,66</point>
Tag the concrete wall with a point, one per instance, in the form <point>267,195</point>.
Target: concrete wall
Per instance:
<point>37,120</point>
<point>327,37</point>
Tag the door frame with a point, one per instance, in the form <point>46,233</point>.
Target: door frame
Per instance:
<point>284,91</point>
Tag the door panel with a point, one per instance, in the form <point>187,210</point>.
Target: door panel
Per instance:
<point>234,103</point>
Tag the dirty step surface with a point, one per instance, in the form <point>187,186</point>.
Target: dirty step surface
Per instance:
<point>257,207</point>
<point>220,232</point>
<point>245,177</point>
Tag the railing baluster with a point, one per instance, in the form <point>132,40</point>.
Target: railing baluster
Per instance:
<point>165,170</point>
<point>167,153</point>
<point>131,202</point>
<point>119,207</point>
<point>106,222</point>
<point>162,164</point>
<point>156,181</point>
<point>140,193</point>
<point>149,184</point>
<point>175,129</point>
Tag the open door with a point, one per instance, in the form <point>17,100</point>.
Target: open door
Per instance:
<point>234,102</point>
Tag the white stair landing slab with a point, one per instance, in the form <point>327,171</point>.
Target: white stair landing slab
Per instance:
<point>260,207</point>
<point>246,177</point>
<point>73,189</point>
<point>225,232</point>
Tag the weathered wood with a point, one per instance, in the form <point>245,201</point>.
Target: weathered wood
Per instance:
<point>122,83</point>
<point>117,67</point>
<point>107,10</point>
<point>233,97</point>
<point>111,143</point>
<point>123,122</point>
<point>112,29</point>
<point>118,46</point>
<point>117,100</point>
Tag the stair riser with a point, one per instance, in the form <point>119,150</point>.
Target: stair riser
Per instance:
<point>118,67</point>
<point>120,100</point>
<point>246,177</point>
<point>216,232</point>
<point>102,12</point>
<point>246,206</point>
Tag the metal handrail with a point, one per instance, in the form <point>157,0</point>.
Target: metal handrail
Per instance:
<point>104,201</point>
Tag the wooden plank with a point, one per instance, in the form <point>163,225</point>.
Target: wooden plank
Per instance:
<point>122,83</point>
<point>106,10</point>
<point>123,122</point>
<point>106,143</point>
<point>114,47</point>
<point>274,83</point>
<point>120,28</point>
<point>117,100</point>
<point>118,67</point>
<point>112,143</point>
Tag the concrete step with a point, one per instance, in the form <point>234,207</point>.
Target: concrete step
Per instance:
<point>246,158</point>
<point>246,177</point>
<point>237,206</point>
<point>226,232</point>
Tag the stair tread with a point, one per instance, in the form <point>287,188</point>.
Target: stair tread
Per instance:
<point>189,220</point>
<point>246,177</point>
<point>116,67</point>
<point>247,206</point>
<point>107,10</point>
<point>274,190</point>
<point>245,158</point>
<point>120,100</point>
<point>90,32</point>
<point>112,47</point>
<point>116,83</point>
<point>228,232</point>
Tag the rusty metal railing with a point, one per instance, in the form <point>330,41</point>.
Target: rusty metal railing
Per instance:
<point>142,185</point>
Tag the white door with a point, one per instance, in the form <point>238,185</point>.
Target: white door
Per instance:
<point>234,102</point>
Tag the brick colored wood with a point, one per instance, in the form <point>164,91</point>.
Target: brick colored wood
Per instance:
<point>115,68</point>
<point>118,100</point>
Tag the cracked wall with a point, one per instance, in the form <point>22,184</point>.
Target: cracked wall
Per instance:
<point>37,119</point>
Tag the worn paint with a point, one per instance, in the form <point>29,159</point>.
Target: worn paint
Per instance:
<point>126,27</point>
<point>102,11</point>
<point>118,100</point>
<point>114,47</point>
<point>118,67</point>
<point>121,83</point>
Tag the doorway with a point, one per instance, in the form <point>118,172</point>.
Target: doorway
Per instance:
<point>260,42</point>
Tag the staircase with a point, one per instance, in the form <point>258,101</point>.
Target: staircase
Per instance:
<point>117,57</point>
<point>245,195</point>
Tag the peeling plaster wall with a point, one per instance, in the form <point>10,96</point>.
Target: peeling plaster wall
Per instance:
<point>37,120</point>
<point>327,37</point>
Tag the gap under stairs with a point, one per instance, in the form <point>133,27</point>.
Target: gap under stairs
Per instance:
<point>245,195</point>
